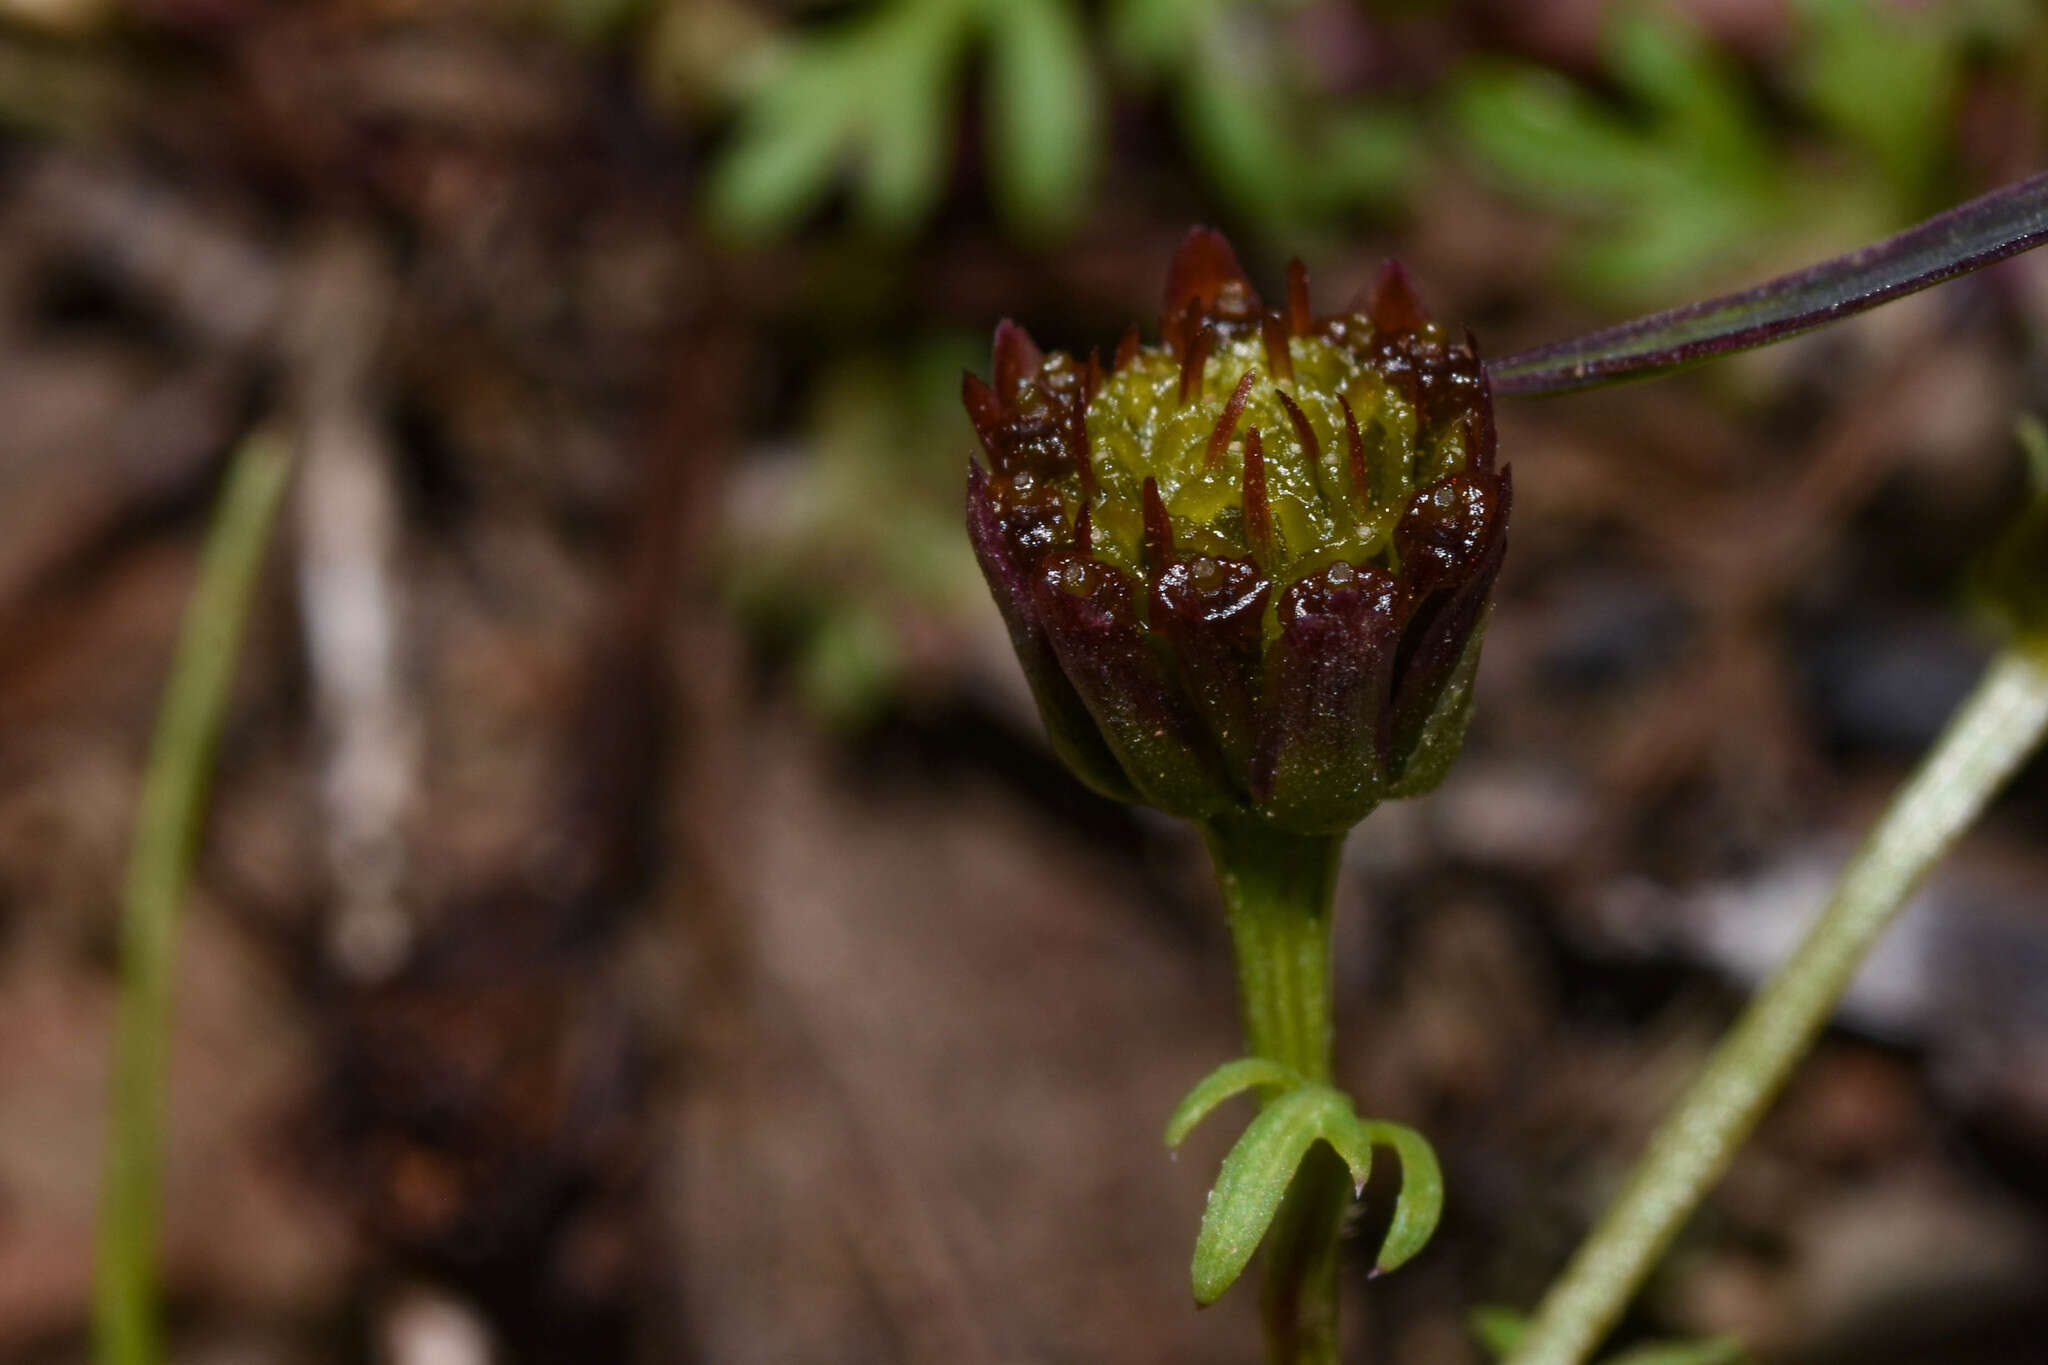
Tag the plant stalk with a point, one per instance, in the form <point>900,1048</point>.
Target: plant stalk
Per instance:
<point>1278,890</point>
<point>1985,742</point>
<point>159,867</point>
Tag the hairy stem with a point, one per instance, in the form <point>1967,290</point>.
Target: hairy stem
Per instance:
<point>159,866</point>
<point>1278,891</point>
<point>1997,727</point>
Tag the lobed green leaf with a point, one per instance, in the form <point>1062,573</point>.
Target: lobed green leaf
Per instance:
<point>1256,1175</point>
<point>1225,1082</point>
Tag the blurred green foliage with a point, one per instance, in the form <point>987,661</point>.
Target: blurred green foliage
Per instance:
<point>873,99</point>
<point>1684,171</point>
<point>2010,583</point>
<point>876,93</point>
<point>1283,154</point>
<point>1678,166</point>
<point>844,553</point>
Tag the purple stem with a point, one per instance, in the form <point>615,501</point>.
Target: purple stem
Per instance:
<point>2002,223</point>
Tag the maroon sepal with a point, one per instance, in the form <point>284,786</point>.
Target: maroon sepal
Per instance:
<point>986,412</point>
<point>1002,545</point>
<point>1212,614</point>
<point>1017,360</point>
<point>1394,305</point>
<point>1451,542</point>
<point>1089,612</point>
<point>1441,381</point>
<point>1038,441</point>
<point>1316,768</point>
<point>1481,435</point>
<point>1205,282</point>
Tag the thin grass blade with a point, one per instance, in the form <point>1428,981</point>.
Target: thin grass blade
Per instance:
<point>126,1330</point>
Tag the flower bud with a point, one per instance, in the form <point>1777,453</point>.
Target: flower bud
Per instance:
<point>1246,570</point>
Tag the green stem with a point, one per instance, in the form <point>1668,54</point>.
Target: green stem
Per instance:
<point>2001,722</point>
<point>1278,890</point>
<point>159,866</point>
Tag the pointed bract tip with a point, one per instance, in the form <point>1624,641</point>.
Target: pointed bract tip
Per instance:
<point>1126,349</point>
<point>1273,332</point>
<point>1194,358</point>
<point>1354,455</point>
<point>1395,306</point>
<point>1017,359</point>
<point>1226,421</point>
<point>1083,449</point>
<point>1203,268</point>
<point>1303,432</point>
<point>1299,319</point>
<point>984,409</point>
<point>1158,528</point>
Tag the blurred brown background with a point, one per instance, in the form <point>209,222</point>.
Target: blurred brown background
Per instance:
<point>639,919</point>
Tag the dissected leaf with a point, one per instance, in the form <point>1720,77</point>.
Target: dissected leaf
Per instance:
<point>1044,112</point>
<point>1658,198</point>
<point>873,96</point>
<point>905,155</point>
<point>908,99</point>
<point>871,102</point>
<point>779,167</point>
<point>1886,76</point>
<point>1690,180</point>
